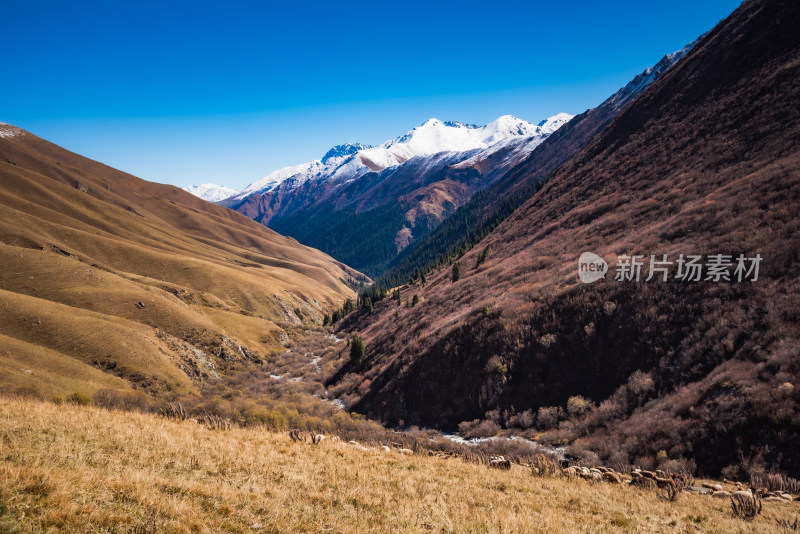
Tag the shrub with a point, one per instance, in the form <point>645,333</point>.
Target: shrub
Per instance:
<point>522,420</point>
<point>640,384</point>
<point>80,399</point>
<point>545,466</point>
<point>644,483</point>
<point>485,311</point>
<point>578,406</point>
<point>776,482</point>
<point>57,399</point>
<point>785,523</point>
<point>478,428</point>
<point>746,506</point>
<point>121,400</point>
<point>549,416</point>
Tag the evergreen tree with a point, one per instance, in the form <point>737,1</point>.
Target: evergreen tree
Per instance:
<point>424,279</point>
<point>456,276</point>
<point>357,349</point>
<point>483,255</point>
<point>415,301</point>
<point>326,320</point>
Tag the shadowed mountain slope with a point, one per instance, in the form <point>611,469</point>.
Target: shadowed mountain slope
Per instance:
<point>705,161</point>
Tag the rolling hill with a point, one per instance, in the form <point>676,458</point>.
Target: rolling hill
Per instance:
<point>110,281</point>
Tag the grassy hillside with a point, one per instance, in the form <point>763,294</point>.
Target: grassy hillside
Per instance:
<point>107,280</point>
<point>76,469</point>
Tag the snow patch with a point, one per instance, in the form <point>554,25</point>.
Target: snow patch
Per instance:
<point>6,130</point>
<point>211,192</point>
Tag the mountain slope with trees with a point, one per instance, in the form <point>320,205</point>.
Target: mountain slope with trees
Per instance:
<point>706,161</point>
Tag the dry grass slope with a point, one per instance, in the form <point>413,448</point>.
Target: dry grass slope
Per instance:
<point>102,270</point>
<point>73,469</point>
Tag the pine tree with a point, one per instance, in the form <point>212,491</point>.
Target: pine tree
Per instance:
<point>483,255</point>
<point>424,279</point>
<point>357,349</point>
<point>326,320</point>
<point>456,272</point>
<point>415,301</point>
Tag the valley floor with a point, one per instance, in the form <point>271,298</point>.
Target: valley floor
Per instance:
<point>80,469</point>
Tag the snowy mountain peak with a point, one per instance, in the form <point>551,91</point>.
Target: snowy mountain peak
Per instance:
<point>551,124</point>
<point>211,192</point>
<point>345,149</point>
<point>346,162</point>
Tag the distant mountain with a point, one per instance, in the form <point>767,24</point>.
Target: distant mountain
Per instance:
<point>659,373</point>
<point>110,281</point>
<point>398,190</point>
<point>347,162</point>
<point>211,192</point>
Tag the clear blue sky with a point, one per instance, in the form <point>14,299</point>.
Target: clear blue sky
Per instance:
<point>193,92</point>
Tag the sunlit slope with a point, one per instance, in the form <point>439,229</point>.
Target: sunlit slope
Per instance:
<point>134,278</point>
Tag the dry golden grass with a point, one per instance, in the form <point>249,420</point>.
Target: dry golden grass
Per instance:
<point>102,270</point>
<point>72,469</point>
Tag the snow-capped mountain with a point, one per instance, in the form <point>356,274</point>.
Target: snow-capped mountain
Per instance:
<point>385,207</point>
<point>344,163</point>
<point>211,192</point>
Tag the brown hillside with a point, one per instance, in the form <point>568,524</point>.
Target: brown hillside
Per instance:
<point>103,271</point>
<point>705,161</point>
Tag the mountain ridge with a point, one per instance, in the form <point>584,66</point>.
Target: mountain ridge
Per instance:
<point>705,161</point>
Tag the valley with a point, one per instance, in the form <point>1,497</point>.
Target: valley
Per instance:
<point>586,324</point>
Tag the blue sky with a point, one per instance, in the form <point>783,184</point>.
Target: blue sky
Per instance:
<point>193,92</point>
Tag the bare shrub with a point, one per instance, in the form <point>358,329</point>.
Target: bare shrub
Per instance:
<point>791,525</point>
<point>549,416</point>
<point>776,482</point>
<point>545,466</point>
<point>671,491</point>
<point>121,400</point>
<point>522,420</point>
<point>640,384</point>
<point>746,506</point>
<point>578,406</point>
<point>174,410</point>
<point>644,483</point>
<point>675,485</point>
<point>296,435</point>
<point>215,422</point>
<point>478,428</point>
<point>80,399</point>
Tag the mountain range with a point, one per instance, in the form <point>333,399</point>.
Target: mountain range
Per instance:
<point>424,192</point>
